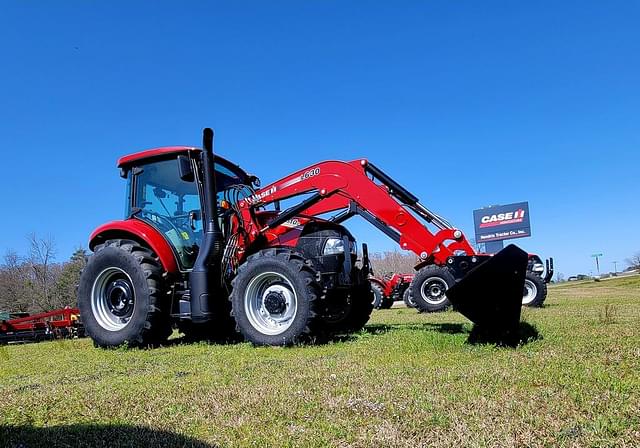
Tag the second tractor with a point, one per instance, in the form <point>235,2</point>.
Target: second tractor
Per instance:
<point>432,297</point>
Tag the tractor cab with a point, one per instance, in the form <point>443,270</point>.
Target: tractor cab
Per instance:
<point>164,189</point>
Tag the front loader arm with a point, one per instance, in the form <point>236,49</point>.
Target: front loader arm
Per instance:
<point>351,188</point>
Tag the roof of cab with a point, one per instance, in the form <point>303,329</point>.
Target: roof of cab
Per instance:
<point>153,153</point>
<point>150,154</point>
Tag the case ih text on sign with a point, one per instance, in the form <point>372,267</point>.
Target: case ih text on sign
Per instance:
<point>502,218</point>
<point>502,222</point>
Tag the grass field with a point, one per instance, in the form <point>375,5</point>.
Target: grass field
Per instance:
<point>409,380</point>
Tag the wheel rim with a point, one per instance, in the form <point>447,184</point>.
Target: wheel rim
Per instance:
<point>113,299</point>
<point>410,300</point>
<point>530,292</point>
<point>271,303</point>
<point>433,290</point>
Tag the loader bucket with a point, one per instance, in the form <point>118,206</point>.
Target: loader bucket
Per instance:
<point>490,295</point>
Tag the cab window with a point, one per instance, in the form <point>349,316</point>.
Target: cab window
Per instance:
<point>172,206</point>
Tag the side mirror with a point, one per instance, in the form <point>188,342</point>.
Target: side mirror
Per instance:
<point>255,180</point>
<point>185,169</point>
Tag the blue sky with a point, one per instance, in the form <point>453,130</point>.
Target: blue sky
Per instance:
<point>466,103</point>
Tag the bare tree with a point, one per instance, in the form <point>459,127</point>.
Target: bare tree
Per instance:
<point>559,277</point>
<point>634,261</point>
<point>391,262</point>
<point>36,283</point>
<point>14,280</point>
<point>44,272</point>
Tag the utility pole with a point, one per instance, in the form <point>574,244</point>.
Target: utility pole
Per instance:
<point>615,267</point>
<point>597,257</point>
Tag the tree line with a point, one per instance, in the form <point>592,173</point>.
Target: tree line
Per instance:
<point>393,262</point>
<point>38,282</point>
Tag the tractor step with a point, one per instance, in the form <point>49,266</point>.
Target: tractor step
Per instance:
<point>490,294</point>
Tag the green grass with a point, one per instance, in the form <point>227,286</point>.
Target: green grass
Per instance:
<point>409,380</point>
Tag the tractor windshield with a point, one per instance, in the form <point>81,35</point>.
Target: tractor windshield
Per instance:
<point>172,205</point>
<point>225,177</point>
<point>230,186</point>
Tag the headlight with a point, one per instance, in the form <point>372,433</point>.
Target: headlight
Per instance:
<point>335,246</point>
<point>538,267</point>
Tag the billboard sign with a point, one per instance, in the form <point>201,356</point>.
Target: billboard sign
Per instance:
<point>502,222</point>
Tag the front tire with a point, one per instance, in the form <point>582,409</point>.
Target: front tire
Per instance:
<point>345,312</point>
<point>121,296</point>
<point>274,298</point>
<point>535,291</point>
<point>407,299</point>
<point>428,288</point>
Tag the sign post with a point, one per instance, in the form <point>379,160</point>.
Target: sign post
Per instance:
<point>493,247</point>
<point>597,257</point>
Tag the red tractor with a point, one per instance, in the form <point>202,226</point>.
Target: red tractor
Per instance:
<point>388,289</point>
<point>396,287</point>
<point>535,282</point>
<point>203,248</point>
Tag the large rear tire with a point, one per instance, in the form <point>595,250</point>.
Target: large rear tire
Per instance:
<point>380,300</point>
<point>121,296</point>
<point>535,291</point>
<point>378,295</point>
<point>428,288</point>
<point>274,298</point>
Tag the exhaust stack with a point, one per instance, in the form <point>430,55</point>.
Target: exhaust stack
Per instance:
<point>205,276</point>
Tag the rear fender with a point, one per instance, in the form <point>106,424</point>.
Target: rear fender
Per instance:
<point>140,232</point>
<point>393,284</point>
<point>381,283</point>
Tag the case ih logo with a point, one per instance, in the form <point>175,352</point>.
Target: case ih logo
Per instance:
<point>258,197</point>
<point>502,222</point>
<point>501,219</point>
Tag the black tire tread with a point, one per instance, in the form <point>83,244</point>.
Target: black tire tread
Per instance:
<point>406,298</point>
<point>538,302</point>
<point>377,292</point>
<point>313,292</point>
<point>361,298</point>
<point>424,273</point>
<point>157,326</point>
